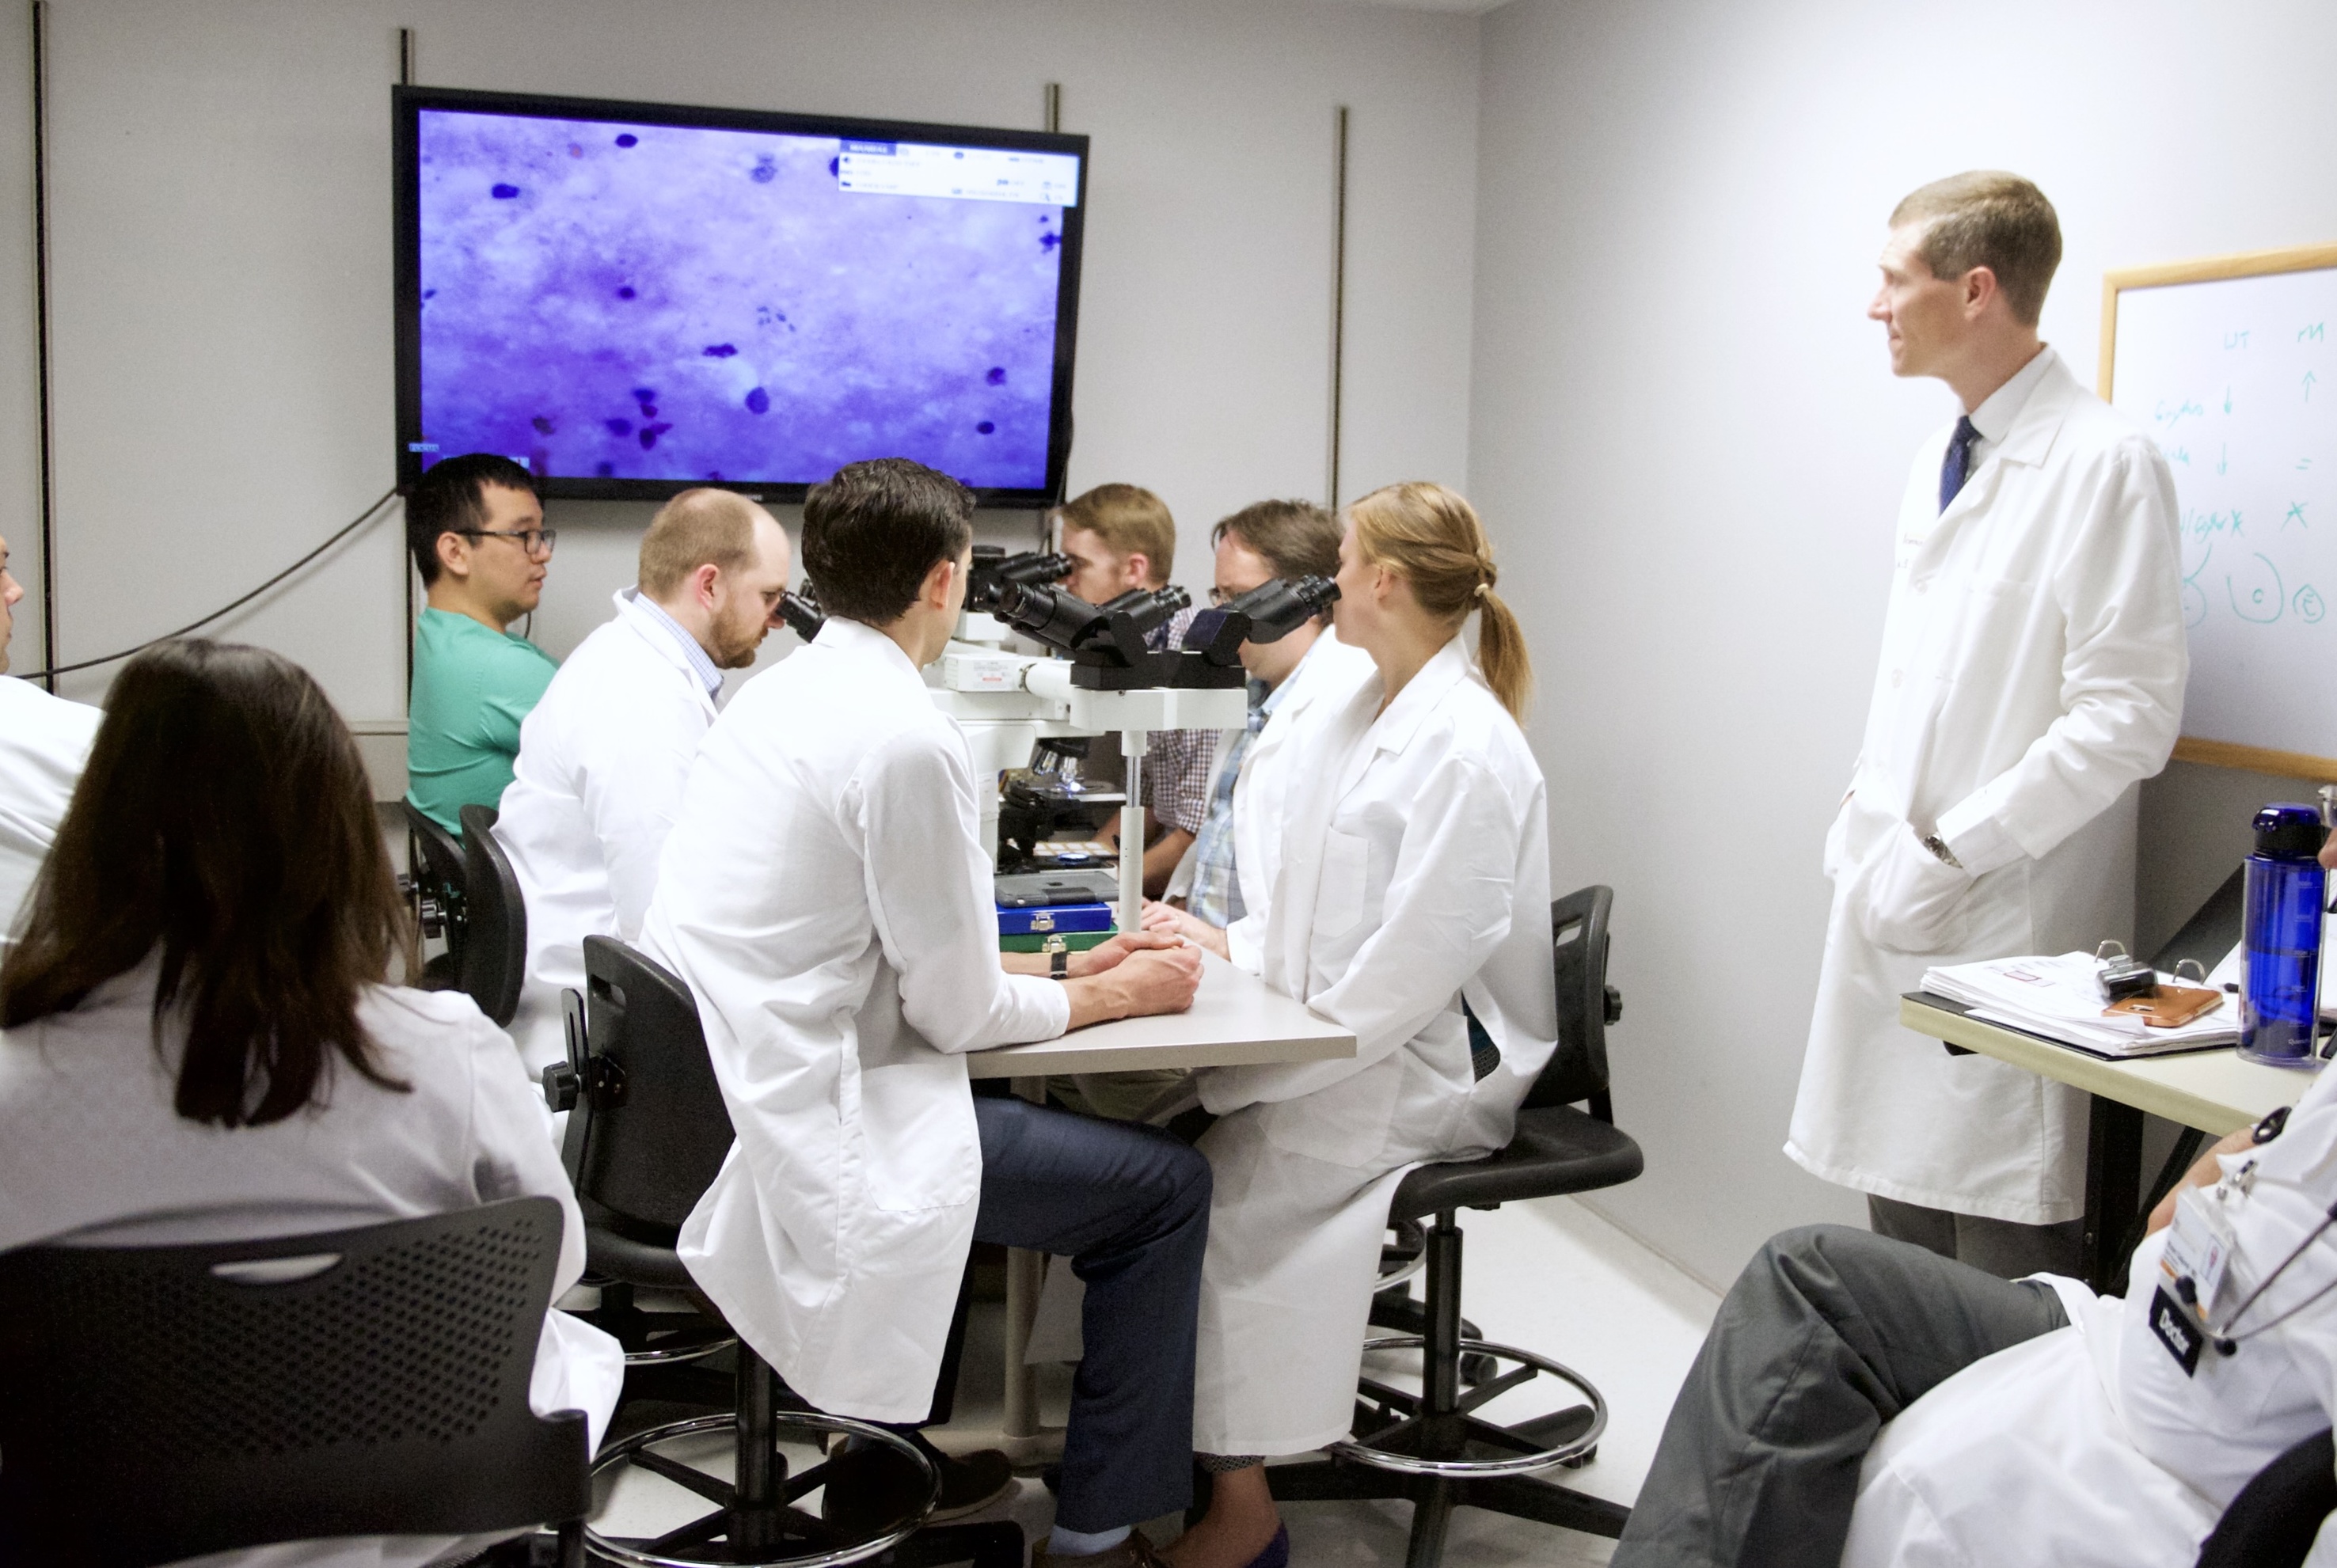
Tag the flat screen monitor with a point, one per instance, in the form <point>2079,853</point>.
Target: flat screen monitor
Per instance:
<point>633,298</point>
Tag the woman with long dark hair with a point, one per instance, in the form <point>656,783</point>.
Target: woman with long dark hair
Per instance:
<point>200,1039</point>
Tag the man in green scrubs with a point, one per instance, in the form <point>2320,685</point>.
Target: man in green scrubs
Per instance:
<point>477,530</point>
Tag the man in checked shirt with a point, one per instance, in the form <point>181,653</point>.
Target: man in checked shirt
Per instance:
<point>1121,537</point>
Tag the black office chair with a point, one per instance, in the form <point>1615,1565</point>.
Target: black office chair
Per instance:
<point>494,943</point>
<point>164,1402</point>
<point>646,1131</point>
<point>2273,1521</point>
<point>435,878</point>
<point>1431,1447</point>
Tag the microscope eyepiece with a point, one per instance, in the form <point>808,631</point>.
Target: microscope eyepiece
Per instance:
<point>1274,609</point>
<point>801,613</point>
<point>1049,614</point>
<point>994,569</point>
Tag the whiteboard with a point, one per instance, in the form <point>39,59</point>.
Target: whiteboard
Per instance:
<point>2231,365</point>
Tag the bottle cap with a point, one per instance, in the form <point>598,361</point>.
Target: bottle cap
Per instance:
<point>2288,832</point>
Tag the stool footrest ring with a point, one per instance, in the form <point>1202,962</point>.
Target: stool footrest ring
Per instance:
<point>1455,1465</point>
<point>801,1422</point>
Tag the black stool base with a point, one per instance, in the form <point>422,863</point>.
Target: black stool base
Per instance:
<point>1433,1498</point>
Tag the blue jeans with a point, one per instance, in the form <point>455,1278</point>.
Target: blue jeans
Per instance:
<point>1129,1206</point>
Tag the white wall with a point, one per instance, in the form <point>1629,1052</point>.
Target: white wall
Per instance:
<point>220,179</point>
<point>1688,441</point>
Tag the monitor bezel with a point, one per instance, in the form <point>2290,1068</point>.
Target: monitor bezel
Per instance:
<point>407,105</point>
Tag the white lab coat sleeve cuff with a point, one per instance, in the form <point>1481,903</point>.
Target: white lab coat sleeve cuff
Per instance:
<point>1975,837</point>
<point>1044,1012</point>
<point>1245,946</point>
<point>1913,897</point>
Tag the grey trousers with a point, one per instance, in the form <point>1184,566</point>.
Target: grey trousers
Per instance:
<point>1828,1333</point>
<point>2005,1248</point>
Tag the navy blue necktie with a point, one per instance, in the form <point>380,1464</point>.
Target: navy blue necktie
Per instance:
<point>1957,464</point>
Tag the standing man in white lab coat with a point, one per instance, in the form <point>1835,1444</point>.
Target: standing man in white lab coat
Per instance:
<point>2033,663</point>
<point>43,741</point>
<point>602,756</point>
<point>826,896</point>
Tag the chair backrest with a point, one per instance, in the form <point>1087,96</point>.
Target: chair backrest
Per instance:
<point>494,947</point>
<point>650,1130</point>
<point>2274,1520</point>
<point>1586,1005</point>
<point>435,863</point>
<point>164,1402</point>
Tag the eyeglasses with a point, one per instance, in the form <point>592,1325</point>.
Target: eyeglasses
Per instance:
<point>535,540</point>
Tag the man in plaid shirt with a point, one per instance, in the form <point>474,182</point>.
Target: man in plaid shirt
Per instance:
<point>1122,537</point>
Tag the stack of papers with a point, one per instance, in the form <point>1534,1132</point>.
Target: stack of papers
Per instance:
<point>2061,1000</point>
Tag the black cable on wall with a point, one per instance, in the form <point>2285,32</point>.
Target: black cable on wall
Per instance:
<point>49,675</point>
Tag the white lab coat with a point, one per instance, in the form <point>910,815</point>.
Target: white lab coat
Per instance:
<point>93,1152</point>
<point>1416,870</point>
<point>2033,662</point>
<point>1331,672</point>
<point>2089,1446</point>
<point>826,896</point>
<point>43,741</point>
<point>602,761</point>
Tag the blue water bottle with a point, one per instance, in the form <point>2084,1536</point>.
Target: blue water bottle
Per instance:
<point>2286,891</point>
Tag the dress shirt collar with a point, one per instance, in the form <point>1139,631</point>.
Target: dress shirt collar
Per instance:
<point>1993,418</point>
<point>701,663</point>
<point>1273,699</point>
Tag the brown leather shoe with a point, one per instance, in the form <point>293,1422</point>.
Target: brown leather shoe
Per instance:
<point>1136,1551</point>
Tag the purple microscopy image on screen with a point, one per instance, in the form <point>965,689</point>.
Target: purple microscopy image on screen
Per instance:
<point>651,302</point>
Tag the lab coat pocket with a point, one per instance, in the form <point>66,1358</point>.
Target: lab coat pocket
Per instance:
<point>1342,1124</point>
<point>1915,903</point>
<point>920,1145</point>
<point>1346,867</point>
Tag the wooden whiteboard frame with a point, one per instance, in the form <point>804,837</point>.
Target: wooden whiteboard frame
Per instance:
<point>2211,269</point>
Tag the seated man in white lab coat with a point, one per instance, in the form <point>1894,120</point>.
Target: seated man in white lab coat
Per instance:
<point>825,894</point>
<point>1229,872</point>
<point>43,741</point>
<point>602,757</point>
<point>2028,1421</point>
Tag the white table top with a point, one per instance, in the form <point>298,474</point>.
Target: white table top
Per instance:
<point>2214,1091</point>
<point>1236,1020</point>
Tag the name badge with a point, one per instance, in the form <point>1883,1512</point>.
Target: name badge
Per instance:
<point>2176,1330</point>
<point>2198,1245</point>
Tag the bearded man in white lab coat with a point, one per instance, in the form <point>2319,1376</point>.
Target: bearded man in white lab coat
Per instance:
<point>1863,1401</point>
<point>826,895</point>
<point>2033,662</point>
<point>43,741</point>
<point>603,756</point>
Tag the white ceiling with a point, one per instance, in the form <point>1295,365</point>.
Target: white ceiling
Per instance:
<point>1463,7</point>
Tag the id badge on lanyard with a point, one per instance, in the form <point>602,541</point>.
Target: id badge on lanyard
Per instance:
<point>2190,1269</point>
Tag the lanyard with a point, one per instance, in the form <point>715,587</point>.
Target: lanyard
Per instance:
<point>2222,1335</point>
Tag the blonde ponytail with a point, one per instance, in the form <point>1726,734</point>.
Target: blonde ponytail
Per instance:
<point>1433,540</point>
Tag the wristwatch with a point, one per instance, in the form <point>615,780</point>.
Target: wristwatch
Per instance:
<point>1059,959</point>
<point>1939,847</point>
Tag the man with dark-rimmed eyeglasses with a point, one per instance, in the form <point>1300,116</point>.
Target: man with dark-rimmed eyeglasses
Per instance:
<point>477,530</point>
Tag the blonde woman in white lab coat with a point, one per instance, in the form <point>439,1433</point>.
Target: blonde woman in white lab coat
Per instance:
<point>198,1038</point>
<point>1415,877</point>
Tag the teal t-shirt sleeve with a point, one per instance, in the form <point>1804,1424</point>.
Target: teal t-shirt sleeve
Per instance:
<point>510,692</point>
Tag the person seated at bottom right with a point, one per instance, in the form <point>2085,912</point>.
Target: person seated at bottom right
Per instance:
<point>1865,1401</point>
<point>1412,907</point>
